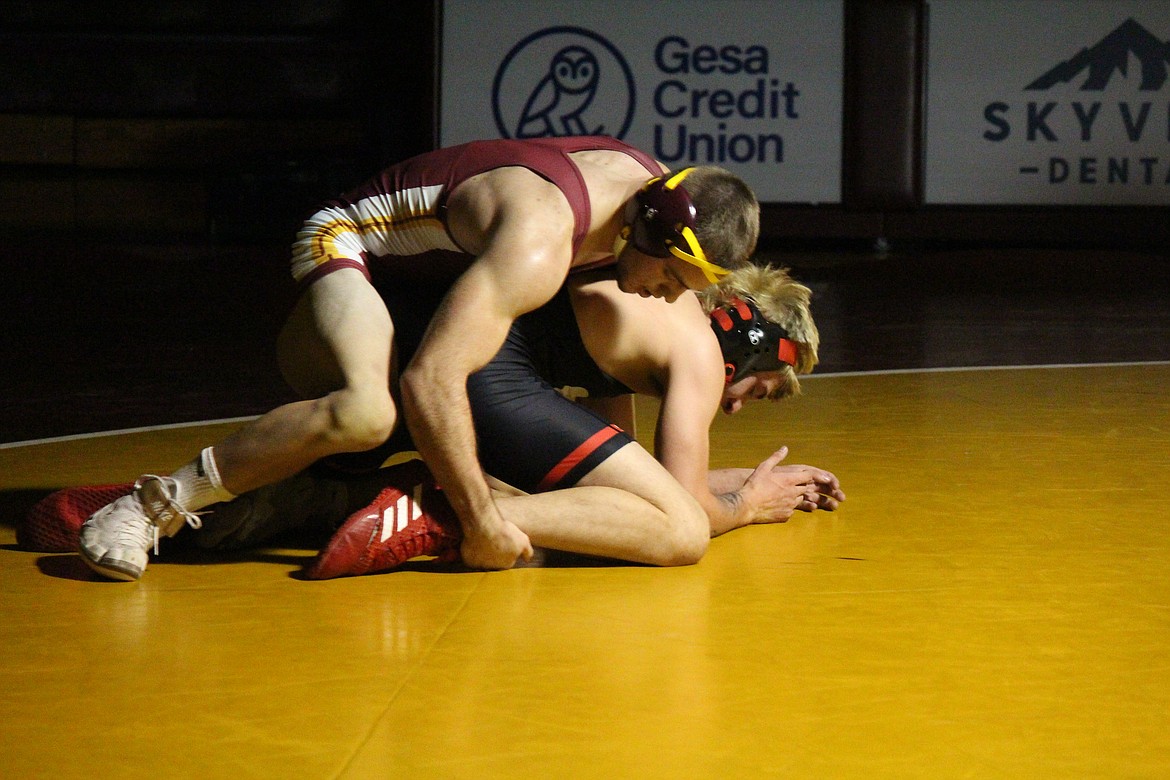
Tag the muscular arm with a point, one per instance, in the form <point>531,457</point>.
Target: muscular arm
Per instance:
<point>726,480</point>
<point>682,445</point>
<point>692,387</point>
<point>520,264</point>
<point>668,350</point>
<point>734,498</point>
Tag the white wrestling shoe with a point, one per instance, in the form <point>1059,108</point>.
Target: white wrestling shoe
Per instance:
<point>115,540</point>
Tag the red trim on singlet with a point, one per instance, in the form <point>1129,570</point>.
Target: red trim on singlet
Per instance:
<point>582,452</point>
<point>328,267</point>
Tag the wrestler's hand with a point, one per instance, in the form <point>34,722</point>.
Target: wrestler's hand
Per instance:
<point>495,545</point>
<point>826,493</point>
<point>775,492</point>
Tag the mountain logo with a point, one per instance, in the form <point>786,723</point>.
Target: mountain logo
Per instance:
<point>1112,55</point>
<point>563,81</point>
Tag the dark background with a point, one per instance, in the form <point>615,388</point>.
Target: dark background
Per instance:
<point>157,157</point>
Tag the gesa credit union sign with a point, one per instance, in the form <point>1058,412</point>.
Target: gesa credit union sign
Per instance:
<point>749,85</point>
<point>1049,102</point>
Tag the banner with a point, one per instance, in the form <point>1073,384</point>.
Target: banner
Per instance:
<point>1048,102</point>
<point>749,85</point>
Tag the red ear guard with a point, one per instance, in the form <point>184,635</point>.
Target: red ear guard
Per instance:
<point>749,341</point>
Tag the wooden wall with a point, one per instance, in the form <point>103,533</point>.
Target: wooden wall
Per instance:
<point>190,120</point>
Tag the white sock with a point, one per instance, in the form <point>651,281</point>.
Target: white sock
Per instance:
<point>199,484</point>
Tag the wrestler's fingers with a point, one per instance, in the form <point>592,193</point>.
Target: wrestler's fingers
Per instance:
<point>770,462</point>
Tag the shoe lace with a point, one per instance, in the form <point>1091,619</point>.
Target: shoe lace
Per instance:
<point>192,518</point>
<point>149,532</point>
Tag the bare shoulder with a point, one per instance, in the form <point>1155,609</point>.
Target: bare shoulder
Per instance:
<point>510,202</point>
<point>673,333</point>
<point>598,290</point>
<point>639,340</point>
<point>610,178</point>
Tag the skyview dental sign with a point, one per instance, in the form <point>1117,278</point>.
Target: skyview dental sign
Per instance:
<point>750,85</point>
<point>1049,102</point>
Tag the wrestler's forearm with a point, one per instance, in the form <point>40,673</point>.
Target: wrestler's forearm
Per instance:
<point>439,418</point>
<point>727,511</point>
<point>721,481</point>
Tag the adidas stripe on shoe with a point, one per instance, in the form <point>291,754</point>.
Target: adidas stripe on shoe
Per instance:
<point>409,518</point>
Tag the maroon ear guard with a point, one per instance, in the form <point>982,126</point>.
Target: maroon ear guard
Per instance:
<point>750,342</point>
<point>660,221</point>
<point>657,215</point>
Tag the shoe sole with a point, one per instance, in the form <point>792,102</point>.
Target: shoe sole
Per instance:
<point>112,570</point>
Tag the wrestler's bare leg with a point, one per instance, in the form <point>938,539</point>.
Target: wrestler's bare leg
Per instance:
<point>337,343</point>
<point>629,508</point>
<point>335,348</point>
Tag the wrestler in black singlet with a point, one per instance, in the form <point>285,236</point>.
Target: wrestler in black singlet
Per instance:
<point>530,435</point>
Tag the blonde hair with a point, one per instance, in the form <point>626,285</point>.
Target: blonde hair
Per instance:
<point>727,215</point>
<point>782,300</point>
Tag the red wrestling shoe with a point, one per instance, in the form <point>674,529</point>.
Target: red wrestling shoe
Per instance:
<point>54,523</point>
<point>409,518</point>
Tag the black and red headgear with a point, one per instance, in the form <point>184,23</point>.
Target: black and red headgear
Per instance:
<point>749,341</point>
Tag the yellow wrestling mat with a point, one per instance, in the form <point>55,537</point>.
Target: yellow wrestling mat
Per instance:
<point>993,601</point>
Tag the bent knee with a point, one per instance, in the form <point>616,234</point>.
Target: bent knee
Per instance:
<point>360,422</point>
<point>686,539</point>
<point>688,550</point>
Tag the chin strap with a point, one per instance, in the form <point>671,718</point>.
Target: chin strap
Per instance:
<point>696,256</point>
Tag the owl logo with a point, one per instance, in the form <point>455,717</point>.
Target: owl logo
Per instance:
<point>561,97</point>
<point>563,81</point>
